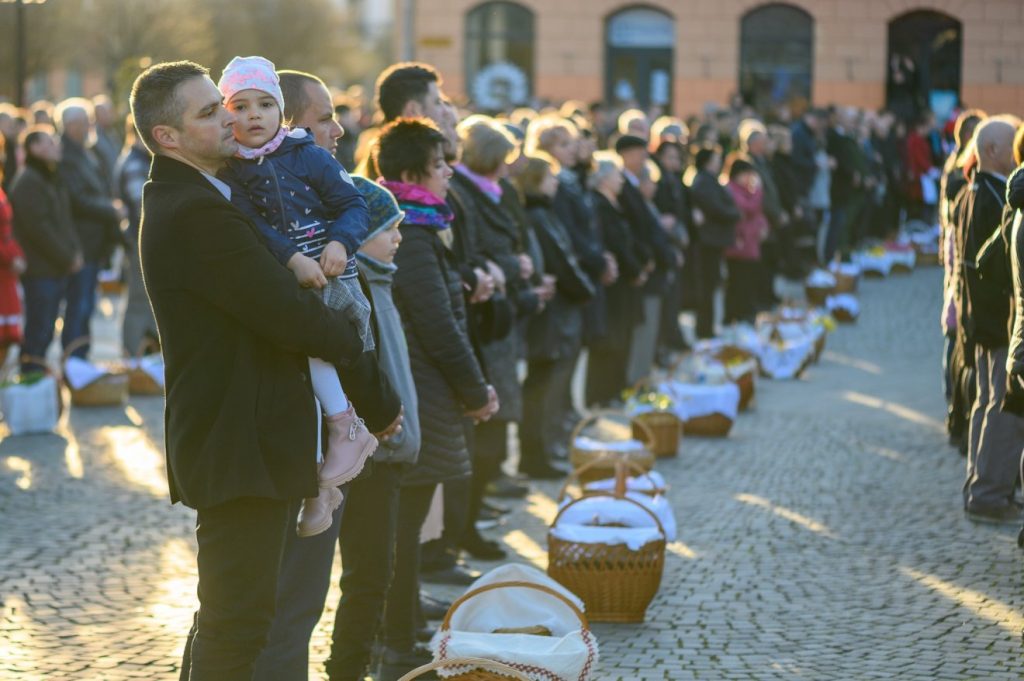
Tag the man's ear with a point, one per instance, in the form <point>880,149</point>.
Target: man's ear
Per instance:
<point>166,136</point>
<point>412,109</point>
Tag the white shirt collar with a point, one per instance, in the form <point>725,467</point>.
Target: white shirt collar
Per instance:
<point>219,185</point>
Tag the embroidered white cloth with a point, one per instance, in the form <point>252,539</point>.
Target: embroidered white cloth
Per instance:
<point>80,373</point>
<point>843,301</point>
<point>691,400</point>
<point>592,511</point>
<point>820,278</point>
<point>569,654</point>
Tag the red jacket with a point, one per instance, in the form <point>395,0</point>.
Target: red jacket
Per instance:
<point>752,228</point>
<point>918,162</point>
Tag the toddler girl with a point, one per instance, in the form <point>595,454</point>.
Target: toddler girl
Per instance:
<point>313,219</point>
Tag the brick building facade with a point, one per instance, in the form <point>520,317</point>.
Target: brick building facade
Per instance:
<point>686,53</point>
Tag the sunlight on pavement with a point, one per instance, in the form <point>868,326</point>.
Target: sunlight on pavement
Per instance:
<point>134,416</point>
<point>852,362</point>
<point>542,507</point>
<point>682,550</point>
<point>899,410</point>
<point>16,654</point>
<point>979,604</point>
<point>137,457</point>
<point>20,465</point>
<point>72,453</point>
<point>790,515</point>
<point>886,453</point>
<point>520,542</point>
<point>174,598</point>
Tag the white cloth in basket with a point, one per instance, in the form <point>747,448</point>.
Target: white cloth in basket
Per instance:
<point>692,400</point>
<point>652,482</point>
<point>635,538</point>
<point>906,257</point>
<point>591,511</point>
<point>80,373</point>
<point>843,301</point>
<point>570,653</point>
<point>153,365</point>
<point>820,278</point>
<point>588,444</point>
<point>783,361</point>
<point>31,407</point>
<point>870,262</point>
<point>847,269</point>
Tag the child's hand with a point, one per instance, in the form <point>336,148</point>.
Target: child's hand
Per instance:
<point>333,259</point>
<point>307,271</point>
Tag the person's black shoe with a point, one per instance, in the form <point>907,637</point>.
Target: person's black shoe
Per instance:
<point>488,518</point>
<point>397,663</point>
<point>544,471</point>
<point>506,488</point>
<point>456,575</point>
<point>482,549</point>
<point>999,515</point>
<point>433,608</point>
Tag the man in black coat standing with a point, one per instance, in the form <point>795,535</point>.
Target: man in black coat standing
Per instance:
<point>235,329</point>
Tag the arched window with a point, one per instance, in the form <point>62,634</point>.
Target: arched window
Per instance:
<point>499,55</point>
<point>638,71</point>
<point>776,55</point>
<point>923,69</point>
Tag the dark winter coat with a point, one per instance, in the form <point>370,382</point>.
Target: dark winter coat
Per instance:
<point>92,209</point>
<point>573,207</point>
<point>42,222</point>
<point>557,332</point>
<point>449,381</point>
<point>649,234</point>
<point>295,189</point>
<point>622,299</point>
<point>805,147</point>
<point>1013,237</point>
<point>719,209</point>
<point>236,331</point>
<point>983,298</point>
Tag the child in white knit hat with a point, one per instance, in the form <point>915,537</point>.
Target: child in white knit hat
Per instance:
<point>313,219</point>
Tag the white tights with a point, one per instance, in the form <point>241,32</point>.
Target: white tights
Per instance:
<point>327,387</point>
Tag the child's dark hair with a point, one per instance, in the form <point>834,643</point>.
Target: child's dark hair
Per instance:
<point>703,153</point>
<point>736,165</point>
<point>407,145</point>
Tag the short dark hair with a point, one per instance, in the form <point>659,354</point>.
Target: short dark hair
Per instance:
<point>403,83</point>
<point>736,165</point>
<point>407,145</point>
<point>670,144</point>
<point>293,88</point>
<point>32,134</point>
<point>154,99</point>
<point>703,153</point>
<point>965,124</point>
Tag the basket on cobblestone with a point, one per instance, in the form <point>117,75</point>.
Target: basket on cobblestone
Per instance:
<point>577,647</point>
<point>615,581</point>
<point>108,388</point>
<point>140,381</point>
<point>605,452</point>
<point>623,470</point>
<point>664,427</point>
<point>732,356</point>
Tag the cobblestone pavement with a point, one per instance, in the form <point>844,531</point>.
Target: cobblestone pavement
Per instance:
<point>823,540</point>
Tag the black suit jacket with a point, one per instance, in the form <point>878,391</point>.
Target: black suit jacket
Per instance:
<point>235,329</point>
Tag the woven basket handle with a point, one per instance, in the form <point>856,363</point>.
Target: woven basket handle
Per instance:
<point>595,416</point>
<point>447,623</point>
<point>72,346</point>
<point>626,465</point>
<point>476,662</point>
<point>661,528</point>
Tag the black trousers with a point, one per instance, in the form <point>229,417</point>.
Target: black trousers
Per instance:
<point>670,335</point>
<point>746,278</point>
<point>710,276</point>
<point>403,602</point>
<point>607,366</point>
<point>368,537</point>
<point>240,548</point>
<point>490,449</point>
<point>543,409</point>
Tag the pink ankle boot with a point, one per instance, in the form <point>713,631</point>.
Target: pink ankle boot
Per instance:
<point>316,513</point>
<point>349,445</point>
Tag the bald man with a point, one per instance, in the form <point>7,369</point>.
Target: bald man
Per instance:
<point>985,291</point>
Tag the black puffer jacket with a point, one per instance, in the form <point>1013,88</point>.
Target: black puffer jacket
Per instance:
<point>720,211</point>
<point>92,208</point>
<point>1013,235</point>
<point>449,381</point>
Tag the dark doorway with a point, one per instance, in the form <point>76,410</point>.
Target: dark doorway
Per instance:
<point>639,56</point>
<point>776,57</point>
<point>924,65</point>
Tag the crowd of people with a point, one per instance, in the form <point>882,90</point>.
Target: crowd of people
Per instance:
<point>464,266</point>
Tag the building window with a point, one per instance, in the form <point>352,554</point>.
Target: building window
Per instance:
<point>639,57</point>
<point>923,71</point>
<point>499,55</point>
<point>776,56</point>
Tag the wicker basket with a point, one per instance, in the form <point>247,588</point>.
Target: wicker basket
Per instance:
<point>816,295</point>
<point>748,388</point>
<point>495,667</point>
<point>901,268</point>
<point>141,383</point>
<point>623,469</point>
<point>604,460</point>
<point>712,425</point>
<point>844,316</point>
<point>616,583</point>
<point>109,390</point>
<point>664,427</point>
<point>846,283</point>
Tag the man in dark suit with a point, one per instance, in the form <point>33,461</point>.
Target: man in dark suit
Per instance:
<point>235,329</point>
